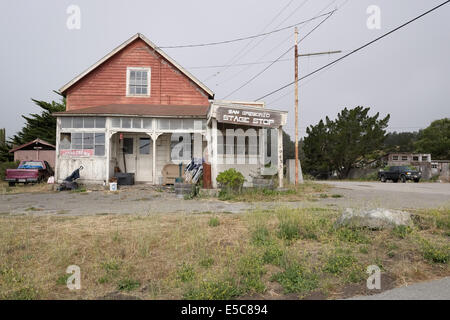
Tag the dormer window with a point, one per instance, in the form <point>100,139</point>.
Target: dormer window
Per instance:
<point>138,82</point>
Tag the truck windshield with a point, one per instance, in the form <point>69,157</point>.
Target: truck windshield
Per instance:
<point>31,165</point>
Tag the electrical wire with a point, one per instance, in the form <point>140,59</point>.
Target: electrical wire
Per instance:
<point>356,50</point>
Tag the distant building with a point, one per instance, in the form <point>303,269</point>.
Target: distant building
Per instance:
<point>35,150</point>
<point>429,168</point>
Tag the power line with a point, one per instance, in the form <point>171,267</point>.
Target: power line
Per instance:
<point>283,41</point>
<point>259,62</point>
<point>266,68</point>
<point>239,55</point>
<point>243,38</point>
<point>356,50</point>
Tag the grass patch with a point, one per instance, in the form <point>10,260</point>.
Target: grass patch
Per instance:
<point>213,290</point>
<point>351,235</point>
<point>261,235</point>
<point>435,253</point>
<point>336,195</point>
<point>185,273</point>
<point>297,279</point>
<point>402,231</point>
<point>213,222</point>
<point>128,284</point>
<point>206,262</point>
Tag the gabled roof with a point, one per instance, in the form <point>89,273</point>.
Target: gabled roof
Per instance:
<point>123,45</point>
<point>140,110</point>
<point>36,141</point>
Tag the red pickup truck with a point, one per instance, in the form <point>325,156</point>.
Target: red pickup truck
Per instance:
<point>29,172</point>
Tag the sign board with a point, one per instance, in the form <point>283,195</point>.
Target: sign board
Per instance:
<point>248,117</point>
<point>77,153</point>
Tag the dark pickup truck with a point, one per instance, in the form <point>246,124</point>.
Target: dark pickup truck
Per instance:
<point>402,173</point>
<point>29,172</point>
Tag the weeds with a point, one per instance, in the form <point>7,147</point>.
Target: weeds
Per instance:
<point>128,284</point>
<point>213,290</point>
<point>213,222</point>
<point>185,273</point>
<point>297,279</point>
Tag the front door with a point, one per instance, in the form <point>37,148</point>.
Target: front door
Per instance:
<point>138,156</point>
<point>144,158</point>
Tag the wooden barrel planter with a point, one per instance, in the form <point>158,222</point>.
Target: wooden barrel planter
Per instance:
<point>181,189</point>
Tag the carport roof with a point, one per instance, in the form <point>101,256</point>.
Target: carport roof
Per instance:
<point>140,110</point>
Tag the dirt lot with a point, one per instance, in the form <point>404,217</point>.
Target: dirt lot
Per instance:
<point>146,200</point>
<point>144,243</point>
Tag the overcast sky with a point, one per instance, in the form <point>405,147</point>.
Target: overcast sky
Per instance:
<point>406,75</point>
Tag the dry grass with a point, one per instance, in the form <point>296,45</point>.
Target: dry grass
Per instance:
<point>26,188</point>
<point>306,191</point>
<point>269,254</point>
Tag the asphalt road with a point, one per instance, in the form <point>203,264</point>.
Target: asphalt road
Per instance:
<point>432,290</point>
<point>390,195</point>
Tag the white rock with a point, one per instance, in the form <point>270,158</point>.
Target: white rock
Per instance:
<point>374,219</point>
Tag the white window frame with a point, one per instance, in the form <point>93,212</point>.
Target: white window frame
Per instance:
<point>149,73</point>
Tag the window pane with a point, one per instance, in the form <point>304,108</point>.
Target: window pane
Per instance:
<point>132,90</point>
<point>144,90</point>
<point>132,75</point>
<point>100,122</point>
<point>116,122</point>
<point>99,150</point>
<point>144,145</point>
<point>128,145</point>
<point>144,76</point>
<point>137,123</point>
<point>175,124</point>
<point>78,122</point>
<point>147,123</point>
<point>138,90</point>
<point>188,124</point>
<point>77,141</point>
<point>65,141</point>
<point>66,122</point>
<point>163,124</point>
<point>99,138</point>
<point>88,141</point>
<point>89,122</point>
<point>126,123</point>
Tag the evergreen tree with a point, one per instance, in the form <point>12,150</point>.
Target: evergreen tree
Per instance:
<point>435,139</point>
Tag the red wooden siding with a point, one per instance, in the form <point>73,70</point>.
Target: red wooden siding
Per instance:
<point>107,83</point>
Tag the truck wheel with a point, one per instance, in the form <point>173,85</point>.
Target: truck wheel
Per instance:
<point>11,184</point>
<point>394,180</point>
<point>416,180</point>
<point>383,179</point>
<point>403,179</point>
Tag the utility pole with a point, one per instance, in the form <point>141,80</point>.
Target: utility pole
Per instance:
<point>296,105</point>
<point>298,168</point>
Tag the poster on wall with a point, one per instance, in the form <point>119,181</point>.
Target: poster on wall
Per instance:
<point>77,153</point>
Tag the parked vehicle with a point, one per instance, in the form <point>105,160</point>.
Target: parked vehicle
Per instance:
<point>399,173</point>
<point>29,172</point>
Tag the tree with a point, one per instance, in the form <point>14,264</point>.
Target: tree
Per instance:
<point>42,126</point>
<point>435,139</point>
<point>352,139</point>
<point>400,142</point>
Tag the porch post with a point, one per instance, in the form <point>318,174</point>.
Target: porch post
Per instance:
<point>108,153</point>
<point>214,153</point>
<point>154,137</point>
<point>280,157</point>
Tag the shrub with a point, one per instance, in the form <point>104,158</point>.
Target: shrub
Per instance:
<point>297,279</point>
<point>231,180</point>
